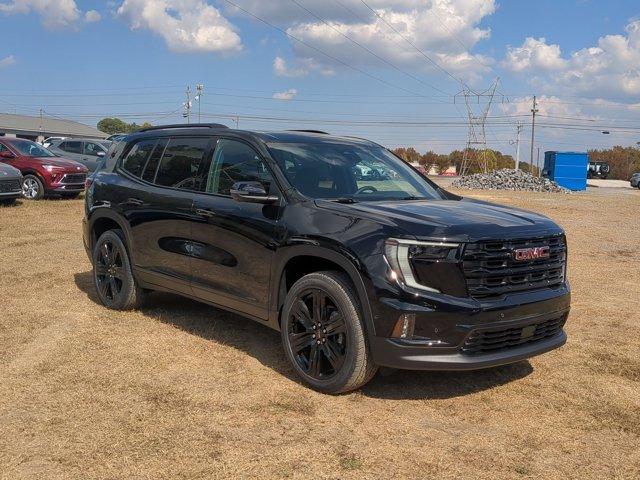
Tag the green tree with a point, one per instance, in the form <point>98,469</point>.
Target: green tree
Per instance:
<point>112,125</point>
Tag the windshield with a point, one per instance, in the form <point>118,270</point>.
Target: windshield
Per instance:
<point>349,172</point>
<point>31,149</point>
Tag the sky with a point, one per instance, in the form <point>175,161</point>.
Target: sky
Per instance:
<point>389,70</point>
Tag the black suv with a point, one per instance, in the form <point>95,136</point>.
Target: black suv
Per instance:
<point>356,271</point>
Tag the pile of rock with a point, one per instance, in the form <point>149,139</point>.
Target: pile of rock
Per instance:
<point>508,179</point>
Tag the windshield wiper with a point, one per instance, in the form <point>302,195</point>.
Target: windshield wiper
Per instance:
<point>345,200</point>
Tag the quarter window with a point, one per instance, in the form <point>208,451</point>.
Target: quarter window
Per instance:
<point>181,163</point>
<point>136,159</point>
<point>152,164</point>
<point>233,162</point>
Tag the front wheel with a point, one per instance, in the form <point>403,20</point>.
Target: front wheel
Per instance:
<point>32,187</point>
<point>115,285</point>
<point>323,333</point>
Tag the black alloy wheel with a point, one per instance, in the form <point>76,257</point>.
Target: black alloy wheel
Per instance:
<point>108,270</point>
<point>317,334</point>
<point>323,333</point>
<point>112,275</point>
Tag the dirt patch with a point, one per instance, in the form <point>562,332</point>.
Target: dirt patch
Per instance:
<point>182,390</point>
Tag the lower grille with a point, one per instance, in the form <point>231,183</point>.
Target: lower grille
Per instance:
<point>493,340</point>
<point>7,186</point>
<point>74,178</point>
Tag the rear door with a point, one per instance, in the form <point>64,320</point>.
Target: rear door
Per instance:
<point>158,206</point>
<point>234,241</point>
<point>72,149</point>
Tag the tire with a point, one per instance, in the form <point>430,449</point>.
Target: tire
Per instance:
<point>339,361</point>
<point>112,276</point>
<point>32,187</point>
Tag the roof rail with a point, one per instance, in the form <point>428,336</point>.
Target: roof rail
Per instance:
<point>311,131</point>
<point>184,125</point>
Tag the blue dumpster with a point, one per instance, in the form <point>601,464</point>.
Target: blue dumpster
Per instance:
<point>567,169</point>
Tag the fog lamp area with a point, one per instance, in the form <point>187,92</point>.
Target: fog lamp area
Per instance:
<point>404,327</point>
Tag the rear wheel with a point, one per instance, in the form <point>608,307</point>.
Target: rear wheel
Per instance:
<point>323,333</point>
<point>32,187</point>
<point>115,285</point>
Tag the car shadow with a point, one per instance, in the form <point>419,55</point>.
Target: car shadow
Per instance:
<point>263,344</point>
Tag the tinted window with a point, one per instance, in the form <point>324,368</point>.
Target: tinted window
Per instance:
<point>31,149</point>
<point>149,173</point>
<point>136,159</point>
<point>356,171</point>
<point>91,148</point>
<point>233,162</point>
<point>71,147</point>
<point>3,148</point>
<point>181,162</point>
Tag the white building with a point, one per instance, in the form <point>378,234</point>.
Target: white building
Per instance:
<point>39,128</point>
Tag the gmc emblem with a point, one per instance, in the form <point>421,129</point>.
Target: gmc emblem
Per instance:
<point>534,253</point>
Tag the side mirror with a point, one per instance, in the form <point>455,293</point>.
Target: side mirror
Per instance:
<point>7,154</point>
<point>251,192</point>
<point>101,154</point>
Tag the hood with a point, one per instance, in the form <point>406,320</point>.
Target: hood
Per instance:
<point>7,172</point>
<point>62,162</point>
<point>462,220</point>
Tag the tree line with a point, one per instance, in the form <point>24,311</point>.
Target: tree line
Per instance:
<point>112,125</point>
<point>624,161</point>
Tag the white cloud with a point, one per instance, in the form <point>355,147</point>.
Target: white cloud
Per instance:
<point>92,16</point>
<point>302,67</point>
<point>7,61</point>
<point>444,29</point>
<point>534,54</point>
<point>185,25</point>
<point>286,95</point>
<point>54,13</point>
<point>610,69</point>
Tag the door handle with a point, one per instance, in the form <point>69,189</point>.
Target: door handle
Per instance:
<point>205,212</point>
<point>134,201</point>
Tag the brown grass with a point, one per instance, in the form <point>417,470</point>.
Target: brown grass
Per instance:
<point>182,390</point>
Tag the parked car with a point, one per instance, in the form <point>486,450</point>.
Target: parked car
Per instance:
<point>86,152</point>
<point>10,183</point>
<point>598,170</point>
<point>117,137</point>
<point>635,180</point>
<point>355,274</point>
<point>43,172</point>
<point>47,141</point>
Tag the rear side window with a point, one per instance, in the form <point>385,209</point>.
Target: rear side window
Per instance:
<point>152,164</point>
<point>181,163</point>
<point>91,148</point>
<point>71,147</point>
<point>137,157</point>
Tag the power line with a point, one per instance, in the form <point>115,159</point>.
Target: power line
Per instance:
<point>368,50</point>
<point>319,50</point>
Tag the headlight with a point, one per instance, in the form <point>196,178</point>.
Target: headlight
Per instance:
<point>433,259</point>
<point>50,168</point>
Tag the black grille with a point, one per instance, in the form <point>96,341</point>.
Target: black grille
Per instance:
<point>74,178</point>
<point>491,270</point>
<point>7,186</point>
<point>496,339</point>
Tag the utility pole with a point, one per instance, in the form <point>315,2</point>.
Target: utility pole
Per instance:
<point>518,130</point>
<point>199,92</point>
<point>538,162</point>
<point>187,105</point>
<point>534,110</point>
<point>41,127</point>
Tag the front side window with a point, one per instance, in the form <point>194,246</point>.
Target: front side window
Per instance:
<point>91,148</point>
<point>181,162</point>
<point>71,147</point>
<point>344,170</point>
<point>233,162</point>
<point>137,157</point>
<point>31,149</point>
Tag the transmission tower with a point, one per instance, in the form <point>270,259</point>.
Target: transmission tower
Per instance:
<point>478,105</point>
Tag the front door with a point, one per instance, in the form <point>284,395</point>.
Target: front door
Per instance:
<point>234,241</point>
<point>90,156</point>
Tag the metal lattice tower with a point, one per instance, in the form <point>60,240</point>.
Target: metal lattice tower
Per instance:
<point>476,150</point>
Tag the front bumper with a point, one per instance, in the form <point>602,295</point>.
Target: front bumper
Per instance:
<point>14,194</point>
<point>67,188</point>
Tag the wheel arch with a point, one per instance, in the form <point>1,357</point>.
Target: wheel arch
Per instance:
<point>103,220</point>
<point>302,260</point>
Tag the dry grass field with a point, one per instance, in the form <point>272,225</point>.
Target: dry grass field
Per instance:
<point>182,390</point>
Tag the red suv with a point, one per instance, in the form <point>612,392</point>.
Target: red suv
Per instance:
<point>43,172</point>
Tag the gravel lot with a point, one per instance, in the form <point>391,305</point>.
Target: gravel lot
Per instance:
<point>182,390</point>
